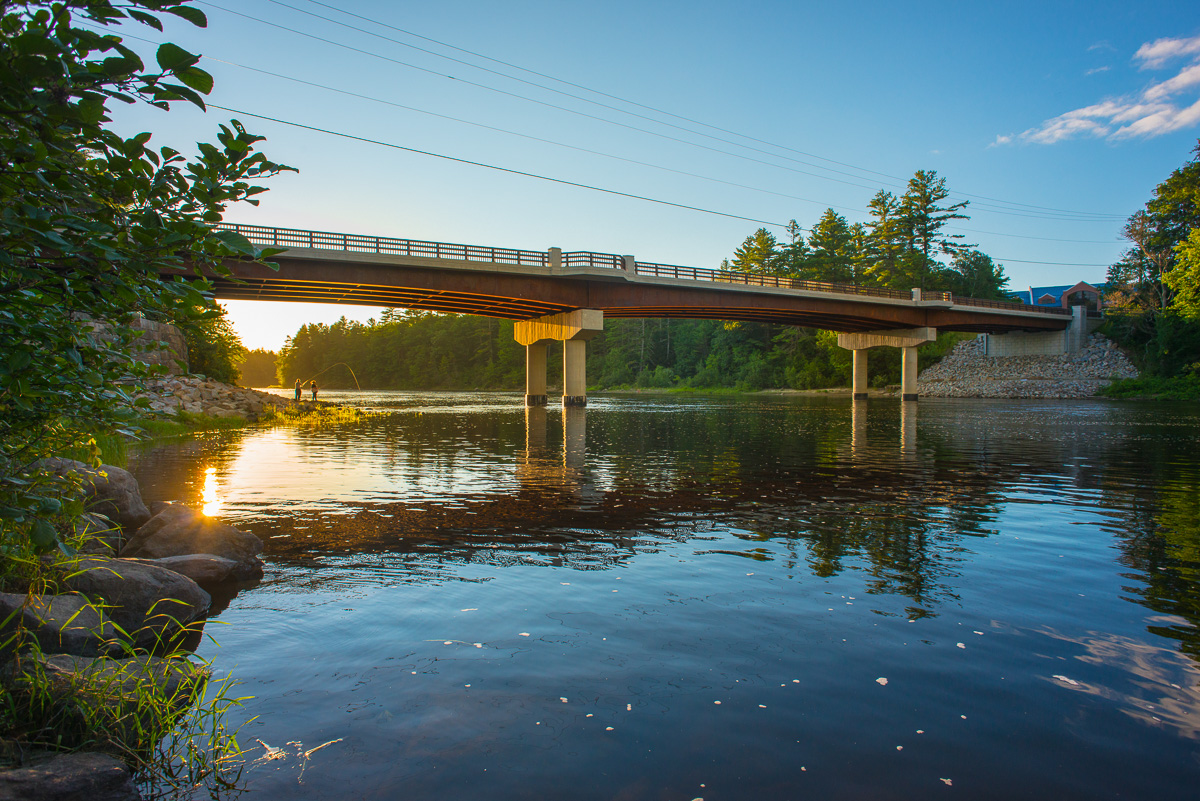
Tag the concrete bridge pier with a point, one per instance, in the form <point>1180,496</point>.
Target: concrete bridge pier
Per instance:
<point>907,339</point>
<point>860,374</point>
<point>573,329</point>
<point>535,374</point>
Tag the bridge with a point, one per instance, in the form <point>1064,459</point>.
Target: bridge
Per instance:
<point>565,296</point>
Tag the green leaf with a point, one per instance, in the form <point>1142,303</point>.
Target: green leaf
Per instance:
<point>173,57</point>
<point>146,19</point>
<point>192,15</point>
<point>236,241</point>
<point>43,536</point>
<point>196,78</point>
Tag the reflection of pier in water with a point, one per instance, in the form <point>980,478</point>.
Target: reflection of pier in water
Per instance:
<point>540,467</point>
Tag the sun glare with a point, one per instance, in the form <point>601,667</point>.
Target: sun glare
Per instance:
<point>212,501</point>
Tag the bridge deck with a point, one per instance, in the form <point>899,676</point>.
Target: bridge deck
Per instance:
<point>520,285</point>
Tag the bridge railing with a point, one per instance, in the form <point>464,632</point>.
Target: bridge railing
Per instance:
<point>959,300</point>
<point>264,236</point>
<point>583,258</point>
<point>783,282</point>
<point>356,243</point>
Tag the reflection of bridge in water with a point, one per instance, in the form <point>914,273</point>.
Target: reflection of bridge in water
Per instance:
<point>565,296</point>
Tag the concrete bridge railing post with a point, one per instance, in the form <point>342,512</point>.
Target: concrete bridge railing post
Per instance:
<point>573,329</point>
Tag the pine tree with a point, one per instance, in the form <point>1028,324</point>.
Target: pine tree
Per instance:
<point>832,243</point>
<point>923,220</point>
<point>758,255</point>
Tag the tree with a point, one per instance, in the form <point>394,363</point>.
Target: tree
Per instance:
<point>922,221</point>
<point>975,275</point>
<point>758,254</point>
<point>258,368</point>
<point>91,224</point>
<point>885,239</point>
<point>833,252</point>
<point>214,348</point>
<point>1184,278</point>
<point>1138,280</point>
<point>795,254</point>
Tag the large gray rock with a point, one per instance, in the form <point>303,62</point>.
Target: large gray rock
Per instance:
<point>69,624</point>
<point>70,777</point>
<point>178,531</point>
<point>150,603</point>
<point>208,570</point>
<point>110,491</point>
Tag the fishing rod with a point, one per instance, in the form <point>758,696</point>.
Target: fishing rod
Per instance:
<point>330,367</point>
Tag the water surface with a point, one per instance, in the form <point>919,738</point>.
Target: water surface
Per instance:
<point>713,597</point>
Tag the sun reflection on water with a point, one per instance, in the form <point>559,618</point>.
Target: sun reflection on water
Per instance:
<point>212,501</point>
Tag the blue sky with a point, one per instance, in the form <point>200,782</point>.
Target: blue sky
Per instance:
<point>1056,120</point>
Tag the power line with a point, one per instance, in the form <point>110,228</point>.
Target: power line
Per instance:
<point>642,105</point>
<point>560,180</point>
<point>1059,215</point>
<point>495,167</point>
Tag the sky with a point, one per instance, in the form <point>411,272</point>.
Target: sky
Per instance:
<point>1056,120</point>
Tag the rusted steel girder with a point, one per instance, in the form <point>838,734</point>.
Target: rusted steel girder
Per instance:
<point>515,294</point>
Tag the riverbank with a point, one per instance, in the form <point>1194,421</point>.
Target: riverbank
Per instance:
<point>967,373</point>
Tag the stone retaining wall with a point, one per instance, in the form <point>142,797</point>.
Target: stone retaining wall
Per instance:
<point>967,373</point>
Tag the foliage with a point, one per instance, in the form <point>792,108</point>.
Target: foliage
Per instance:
<point>899,247</point>
<point>1146,276</point>
<point>214,349</point>
<point>1161,344</point>
<point>258,368</point>
<point>173,734</point>
<point>91,223</point>
<point>1180,387</point>
<point>1184,278</point>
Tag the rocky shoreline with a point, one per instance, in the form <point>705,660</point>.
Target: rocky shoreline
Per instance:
<point>200,395</point>
<point>116,624</point>
<point>967,373</point>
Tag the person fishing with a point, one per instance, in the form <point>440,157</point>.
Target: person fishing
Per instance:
<point>298,389</point>
<point>313,386</point>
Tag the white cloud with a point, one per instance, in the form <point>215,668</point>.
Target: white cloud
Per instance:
<point>1095,70</point>
<point>1151,112</point>
<point>1154,55</point>
<point>1184,80</point>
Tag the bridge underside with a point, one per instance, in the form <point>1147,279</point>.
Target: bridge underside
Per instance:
<point>493,293</point>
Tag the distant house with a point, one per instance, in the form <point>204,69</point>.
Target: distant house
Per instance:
<point>1066,296</point>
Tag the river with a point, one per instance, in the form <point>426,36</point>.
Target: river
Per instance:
<point>719,597</point>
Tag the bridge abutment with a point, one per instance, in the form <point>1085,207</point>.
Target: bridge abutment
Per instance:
<point>573,329</point>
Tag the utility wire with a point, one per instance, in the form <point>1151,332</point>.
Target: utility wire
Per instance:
<point>1056,216</point>
<point>583,150</point>
<point>601,153</point>
<point>395,146</point>
<point>656,110</point>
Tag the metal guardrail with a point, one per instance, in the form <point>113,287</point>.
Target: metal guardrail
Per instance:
<point>959,300</point>
<point>264,236</point>
<point>356,243</point>
<point>751,279</point>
